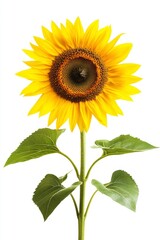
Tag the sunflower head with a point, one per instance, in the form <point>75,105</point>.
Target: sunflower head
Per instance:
<point>79,74</point>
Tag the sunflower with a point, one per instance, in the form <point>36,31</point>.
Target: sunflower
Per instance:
<point>79,74</point>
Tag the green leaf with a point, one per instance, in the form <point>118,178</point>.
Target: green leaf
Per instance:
<point>50,192</point>
<point>38,144</point>
<point>63,178</point>
<point>123,144</point>
<point>121,189</point>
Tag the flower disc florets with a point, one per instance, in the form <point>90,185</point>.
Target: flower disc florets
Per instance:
<point>77,75</point>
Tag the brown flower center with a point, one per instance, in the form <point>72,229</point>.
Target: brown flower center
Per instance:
<point>77,75</point>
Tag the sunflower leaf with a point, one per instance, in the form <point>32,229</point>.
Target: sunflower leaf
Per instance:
<point>63,178</point>
<point>122,144</point>
<point>122,189</point>
<point>50,192</point>
<point>38,144</point>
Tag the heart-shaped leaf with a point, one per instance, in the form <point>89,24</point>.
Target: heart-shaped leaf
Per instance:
<point>123,144</point>
<point>121,189</point>
<point>38,144</point>
<point>50,192</point>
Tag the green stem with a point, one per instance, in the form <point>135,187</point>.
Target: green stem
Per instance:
<point>81,219</point>
<point>74,166</point>
<point>75,204</point>
<point>90,203</point>
<point>89,170</point>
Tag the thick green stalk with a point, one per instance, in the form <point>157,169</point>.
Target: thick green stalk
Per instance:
<point>81,219</point>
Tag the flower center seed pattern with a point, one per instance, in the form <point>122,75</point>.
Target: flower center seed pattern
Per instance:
<point>77,75</point>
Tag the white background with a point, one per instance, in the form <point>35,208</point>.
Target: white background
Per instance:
<point>20,218</point>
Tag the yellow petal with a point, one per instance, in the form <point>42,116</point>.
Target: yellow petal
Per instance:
<point>73,118</point>
<point>55,29</point>
<point>117,93</point>
<point>118,80</point>
<point>80,124</point>
<point>90,34</point>
<point>125,92</point>
<point>52,116</point>
<point>109,105</point>
<point>78,32</point>
<point>35,56</point>
<point>50,103</point>
<point>46,46</point>
<point>105,49</point>
<point>118,54</point>
<point>78,26</point>
<point>63,113</point>
<point>73,33</point>
<point>33,74</point>
<point>47,34</point>
<point>59,39</point>
<point>97,111</point>
<point>56,104</point>
<point>36,87</point>
<point>37,65</point>
<point>101,39</point>
<point>40,52</point>
<point>36,107</point>
<point>86,115</point>
<point>42,107</point>
<point>67,35</point>
<point>80,121</point>
<point>131,90</point>
<point>124,68</point>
